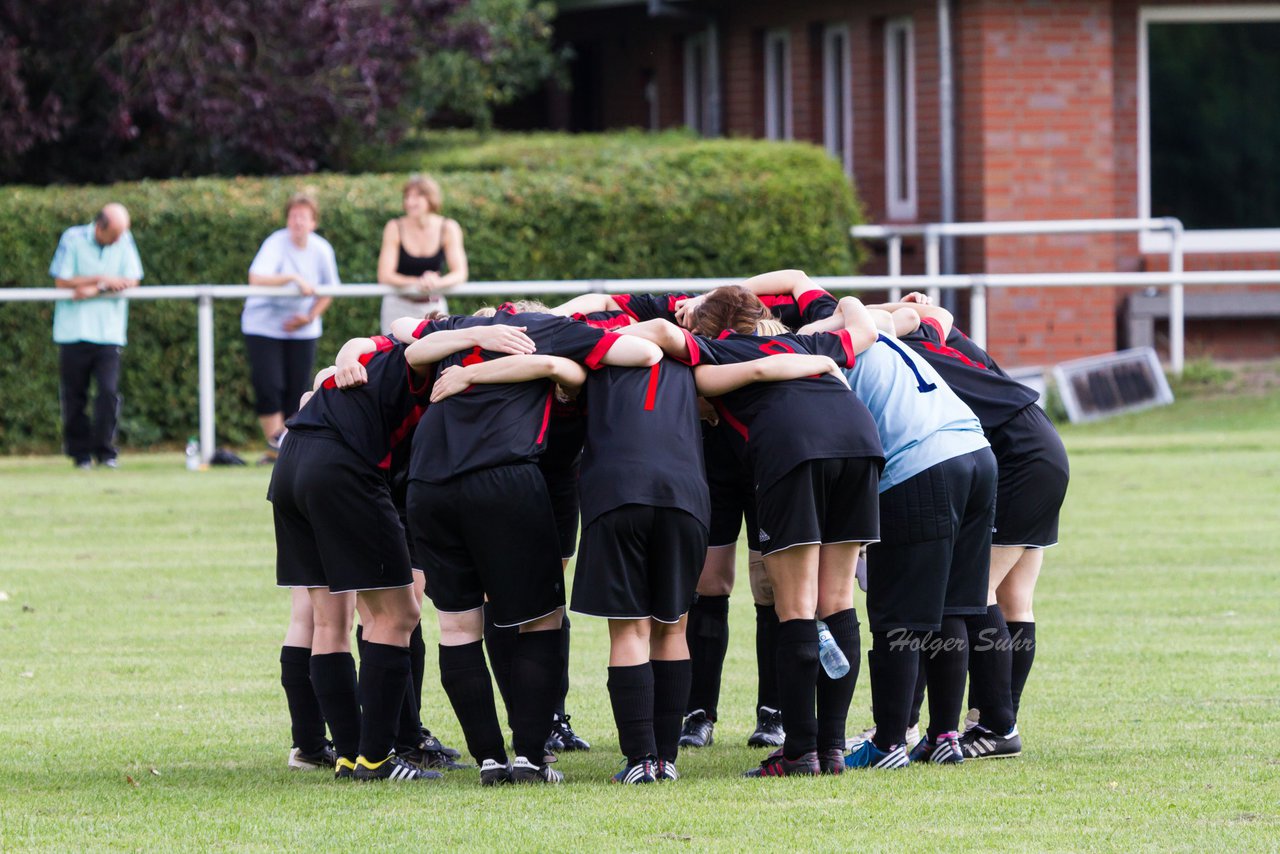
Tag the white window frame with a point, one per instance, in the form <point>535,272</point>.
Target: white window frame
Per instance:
<point>897,92</point>
<point>773,129</point>
<point>695,95</point>
<point>1200,240</point>
<point>830,133</point>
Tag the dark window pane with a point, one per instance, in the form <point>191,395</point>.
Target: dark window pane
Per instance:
<point>1215,123</point>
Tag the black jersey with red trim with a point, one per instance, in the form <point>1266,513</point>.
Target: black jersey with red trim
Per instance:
<point>973,375</point>
<point>605,319</point>
<point>503,423</point>
<point>374,418</point>
<point>644,441</point>
<point>786,423</point>
<point>812,305</point>
<point>642,307</point>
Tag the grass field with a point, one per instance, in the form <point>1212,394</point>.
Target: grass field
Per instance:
<point>140,705</point>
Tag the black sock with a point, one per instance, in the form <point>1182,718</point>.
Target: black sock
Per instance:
<point>564,676</point>
<point>500,643</point>
<point>333,675</point>
<point>408,723</point>
<point>834,695</point>
<point>306,722</point>
<point>766,656</point>
<point>360,640</point>
<point>384,679</point>
<point>631,694</point>
<point>892,664</point>
<point>417,664</point>
<point>946,660</point>
<point>670,696</point>
<point>917,696</point>
<point>990,668</point>
<point>535,682</point>
<point>1023,636</point>
<point>798,684</point>
<point>708,636</point>
<point>466,683</point>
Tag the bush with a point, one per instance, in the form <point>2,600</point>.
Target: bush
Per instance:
<point>532,207</point>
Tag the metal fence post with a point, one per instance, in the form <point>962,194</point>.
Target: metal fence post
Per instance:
<point>1177,327</point>
<point>978,314</point>
<point>932,260</point>
<point>204,324</point>
<point>895,265</point>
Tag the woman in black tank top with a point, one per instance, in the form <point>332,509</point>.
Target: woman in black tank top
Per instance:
<point>416,250</point>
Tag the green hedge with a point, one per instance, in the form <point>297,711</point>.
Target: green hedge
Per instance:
<point>532,207</point>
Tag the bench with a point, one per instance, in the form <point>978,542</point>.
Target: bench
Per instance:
<point>1143,310</point>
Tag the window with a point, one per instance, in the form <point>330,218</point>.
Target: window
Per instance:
<point>695,82</point>
<point>777,84</point>
<point>899,119</point>
<point>1209,125</point>
<point>837,104</point>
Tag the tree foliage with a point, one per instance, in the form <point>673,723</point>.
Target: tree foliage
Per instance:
<point>146,88</point>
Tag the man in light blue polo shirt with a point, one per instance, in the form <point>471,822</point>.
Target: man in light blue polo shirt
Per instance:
<point>93,261</point>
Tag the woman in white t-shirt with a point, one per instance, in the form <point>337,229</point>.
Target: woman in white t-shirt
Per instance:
<point>280,333</point>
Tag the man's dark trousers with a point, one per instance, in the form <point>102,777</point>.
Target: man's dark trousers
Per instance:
<point>77,363</point>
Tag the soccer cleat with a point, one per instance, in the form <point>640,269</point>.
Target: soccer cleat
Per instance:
<point>769,731</point>
<point>666,771</point>
<point>635,773</point>
<point>831,761</point>
<point>392,768</point>
<point>778,765</point>
<point>971,719</point>
<point>698,730</point>
<point>323,759</point>
<point>912,737</point>
<point>563,738</point>
<point>524,771</point>
<point>493,773</point>
<point>945,751</point>
<point>112,463</point>
<point>84,465</point>
<point>432,744</point>
<point>982,743</point>
<point>344,769</point>
<point>422,757</point>
<point>867,755</point>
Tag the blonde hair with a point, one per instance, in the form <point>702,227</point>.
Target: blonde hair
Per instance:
<point>425,186</point>
<point>530,306</point>
<point>771,326</point>
<point>302,199</point>
<point>487,311</point>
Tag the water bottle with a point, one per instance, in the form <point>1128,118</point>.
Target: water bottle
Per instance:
<point>193,454</point>
<point>830,654</point>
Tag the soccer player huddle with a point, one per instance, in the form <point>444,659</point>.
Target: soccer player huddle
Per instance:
<point>458,454</point>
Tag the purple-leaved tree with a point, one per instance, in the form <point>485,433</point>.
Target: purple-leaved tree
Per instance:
<point>121,89</point>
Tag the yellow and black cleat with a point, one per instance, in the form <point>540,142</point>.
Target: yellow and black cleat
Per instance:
<point>344,769</point>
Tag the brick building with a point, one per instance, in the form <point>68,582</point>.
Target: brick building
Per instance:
<point>1028,109</point>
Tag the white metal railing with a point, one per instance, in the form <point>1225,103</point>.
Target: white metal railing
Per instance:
<point>934,232</point>
<point>204,295</point>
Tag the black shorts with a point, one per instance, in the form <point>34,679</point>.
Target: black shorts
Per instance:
<point>732,492</point>
<point>489,532</point>
<point>562,487</point>
<point>639,561</point>
<point>336,525</point>
<point>821,501</point>
<point>934,552</point>
<point>1033,480</point>
<point>280,371</point>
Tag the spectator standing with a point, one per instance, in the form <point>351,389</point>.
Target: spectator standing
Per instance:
<point>416,249</point>
<point>280,333</point>
<point>92,260</point>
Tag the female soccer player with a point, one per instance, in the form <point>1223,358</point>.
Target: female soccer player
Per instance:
<point>1033,476</point>
<point>815,460</point>
<point>337,533</point>
<point>473,464</point>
